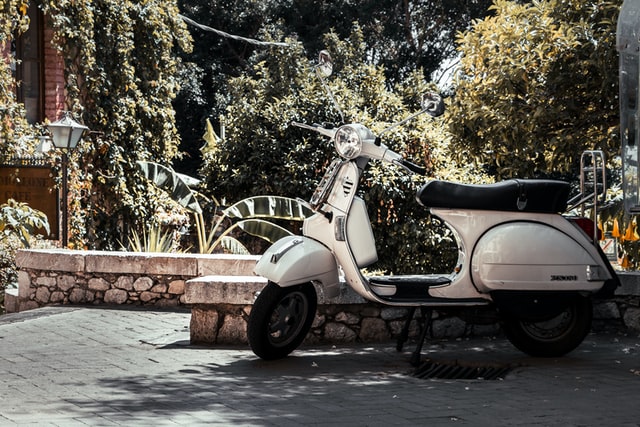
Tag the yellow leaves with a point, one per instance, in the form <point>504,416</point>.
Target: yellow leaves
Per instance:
<point>616,229</point>
<point>210,138</point>
<point>23,8</point>
<point>624,263</point>
<point>630,234</point>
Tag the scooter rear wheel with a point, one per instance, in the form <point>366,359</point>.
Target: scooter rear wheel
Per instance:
<point>552,337</point>
<point>280,319</point>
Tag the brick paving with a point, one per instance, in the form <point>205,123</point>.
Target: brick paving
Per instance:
<point>70,366</point>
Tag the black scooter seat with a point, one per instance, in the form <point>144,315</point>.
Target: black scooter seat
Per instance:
<point>530,195</point>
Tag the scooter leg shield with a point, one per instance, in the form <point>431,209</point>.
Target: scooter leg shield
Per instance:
<point>297,259</point>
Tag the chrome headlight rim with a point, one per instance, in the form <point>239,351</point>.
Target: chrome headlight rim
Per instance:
<point>348,142</point>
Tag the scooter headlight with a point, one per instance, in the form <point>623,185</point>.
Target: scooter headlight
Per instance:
<point>348,142</point>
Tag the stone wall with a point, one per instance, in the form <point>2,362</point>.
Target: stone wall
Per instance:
<point>220,290</point>
<point>60,276</point>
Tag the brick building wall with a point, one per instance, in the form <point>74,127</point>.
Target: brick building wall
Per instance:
<point>54,83</point>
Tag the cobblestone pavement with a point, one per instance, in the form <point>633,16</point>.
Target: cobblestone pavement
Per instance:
<point>62,366</point>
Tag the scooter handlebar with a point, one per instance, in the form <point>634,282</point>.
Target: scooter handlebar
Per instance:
<point>316,128</point>
<point>411,167</point>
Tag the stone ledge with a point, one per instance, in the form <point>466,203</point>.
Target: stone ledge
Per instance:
<point>228,289</point>
<point>11,300</point>
<point>62,276</point>
<point>223,290</point>
<point>629,283</point>
<point>194,265</point>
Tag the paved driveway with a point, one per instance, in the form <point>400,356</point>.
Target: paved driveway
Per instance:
<point>94,366</point>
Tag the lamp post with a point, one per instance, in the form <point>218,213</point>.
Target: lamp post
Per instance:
<point>66,134</point>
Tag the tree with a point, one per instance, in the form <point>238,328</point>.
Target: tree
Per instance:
<point>121,74</point>
<point>402,36</point>
<point>537,85</point>
<point>263,154</point>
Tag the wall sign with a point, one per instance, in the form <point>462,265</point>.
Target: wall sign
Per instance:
<point>34,186</point>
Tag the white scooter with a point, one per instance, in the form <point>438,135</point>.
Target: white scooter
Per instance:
<point>517,254</point>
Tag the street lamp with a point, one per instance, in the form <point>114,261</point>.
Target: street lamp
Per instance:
<point>66,134</point>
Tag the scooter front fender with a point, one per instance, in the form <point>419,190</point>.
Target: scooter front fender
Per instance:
<point>293,260</point>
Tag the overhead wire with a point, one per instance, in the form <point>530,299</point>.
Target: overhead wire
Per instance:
<point>231,36</point>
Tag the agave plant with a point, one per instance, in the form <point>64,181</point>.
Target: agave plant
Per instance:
<point>153,241</point>
<point>252,215</point>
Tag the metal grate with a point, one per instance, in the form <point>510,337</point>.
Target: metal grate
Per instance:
<point>456,370</point>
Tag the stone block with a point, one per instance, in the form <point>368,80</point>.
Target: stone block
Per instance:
<point>143,284</point>
<point>141,263</point>
<point>116,296</point>
<point>203,327</point>
<point>149,296</point>
<point>47,281</point>
<point>66,282</point>
<point>226,265</point>
<point>346,296</point>
<point>78,296</point>
<point>176,287</point>
<point>632,318</point>
<point>51,259</point>
<point>223,289</point>
<point>374,329</point>
<point>159,288</point>
<point>24,285</point>
<point>99,284</point>
<point>347,318</point>
<point>337,332</point>
<point>57,297</point>
<point>42,295</point>
<point>233,330</point>
<point>11,300</point>
<point>449,327</point>
<point>124,282</point>
<point>629,283</point>
<point>606,310</point>
<point>27,305</point>
<point>167,303</point>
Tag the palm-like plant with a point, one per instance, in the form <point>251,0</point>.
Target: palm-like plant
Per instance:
<point>252,215</point>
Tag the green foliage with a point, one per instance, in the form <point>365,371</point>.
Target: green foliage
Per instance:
<point>21,221</point>
<point>250,212</point>
<point>19,225</point>
<point>537,86</point>
<point>154,240</point>
<point>15,133</point>
<point>121,77</point>
<point>400,36</point>
<point>262,153</point>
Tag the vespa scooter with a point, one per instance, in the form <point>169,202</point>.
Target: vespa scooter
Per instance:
<point>517,254</point>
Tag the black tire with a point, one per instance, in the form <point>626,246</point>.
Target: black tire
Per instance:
<point>552,337</point>
<point>280,319</point>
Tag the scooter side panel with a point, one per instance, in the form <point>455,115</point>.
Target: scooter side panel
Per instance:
<point>523,255</point>
<point>297,259</point>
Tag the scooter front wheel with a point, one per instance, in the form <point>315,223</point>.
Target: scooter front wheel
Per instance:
<point>552,337</point>
<point>280,319</point>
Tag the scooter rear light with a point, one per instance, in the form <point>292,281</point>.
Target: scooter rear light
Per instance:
<point>588,226</point>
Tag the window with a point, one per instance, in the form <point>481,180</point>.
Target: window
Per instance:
<point>30,66</point>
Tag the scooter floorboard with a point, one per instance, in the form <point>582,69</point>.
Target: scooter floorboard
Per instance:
<point>414,290</point>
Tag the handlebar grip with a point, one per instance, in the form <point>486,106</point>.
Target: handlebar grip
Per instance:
<point>412,167</point>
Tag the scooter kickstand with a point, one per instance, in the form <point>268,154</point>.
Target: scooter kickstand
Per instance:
<point>404,334</point>
<point>426,314</point>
